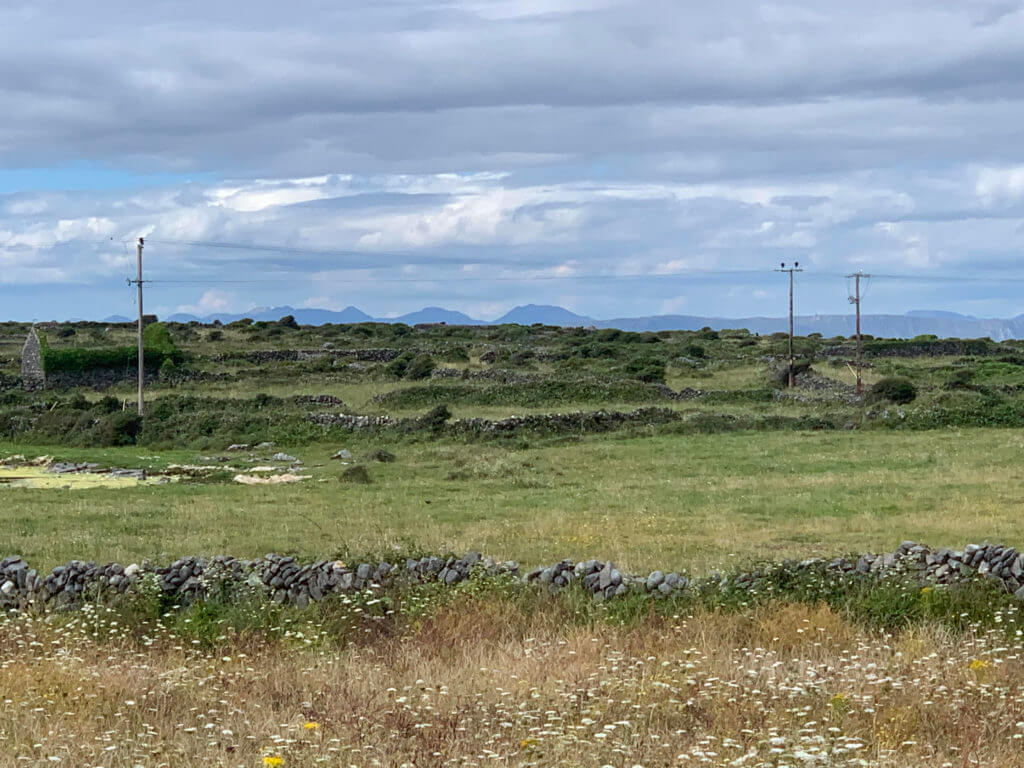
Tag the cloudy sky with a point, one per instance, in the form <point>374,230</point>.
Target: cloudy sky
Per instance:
<point>616,158</point>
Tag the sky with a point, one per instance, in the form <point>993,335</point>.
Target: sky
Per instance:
<point>480,154</point>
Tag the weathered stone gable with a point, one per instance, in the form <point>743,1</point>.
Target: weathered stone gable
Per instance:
<point>32,374</point>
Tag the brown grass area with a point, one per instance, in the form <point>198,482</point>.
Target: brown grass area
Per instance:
<point>484,683</point>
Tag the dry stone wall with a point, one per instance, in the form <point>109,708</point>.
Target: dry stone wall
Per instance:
<point>577,421</point>
<point>283,579</point>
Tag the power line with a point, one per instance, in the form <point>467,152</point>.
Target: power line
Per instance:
<point>319,278</point>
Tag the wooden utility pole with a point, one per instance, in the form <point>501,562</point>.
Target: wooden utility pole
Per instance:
<point>855,300</point>
<point>142,353</point>
<point>790,270</point>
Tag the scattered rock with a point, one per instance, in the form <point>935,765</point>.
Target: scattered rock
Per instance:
<point>381,455</point>
<point>344,454</point>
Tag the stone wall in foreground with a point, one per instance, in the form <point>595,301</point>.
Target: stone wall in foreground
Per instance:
<point>283,579</point>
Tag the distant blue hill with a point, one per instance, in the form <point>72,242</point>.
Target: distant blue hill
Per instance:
<point>545,314</point>
<point>939,313</point>
<point>434,315</point>
<point>272,314</point>
<point>915,323</point>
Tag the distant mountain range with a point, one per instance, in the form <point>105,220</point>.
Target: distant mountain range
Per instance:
<point>915,323</point>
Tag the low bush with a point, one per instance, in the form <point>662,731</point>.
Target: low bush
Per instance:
<point>119,428</point>
<point>896,389</point>
<point>158,346</point>
<point>356,474</point>
<point>420,367</point>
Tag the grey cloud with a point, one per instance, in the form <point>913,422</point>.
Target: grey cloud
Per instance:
<point>616,137</point>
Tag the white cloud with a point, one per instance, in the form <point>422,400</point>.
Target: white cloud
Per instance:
<point>210,302</point>
<point>995,183</point>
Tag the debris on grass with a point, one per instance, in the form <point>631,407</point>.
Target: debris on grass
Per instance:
<point>269,479</point>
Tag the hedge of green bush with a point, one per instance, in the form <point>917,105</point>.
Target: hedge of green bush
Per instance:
<point>158,347</point>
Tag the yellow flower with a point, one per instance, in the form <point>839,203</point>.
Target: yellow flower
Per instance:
<point>273,760</point>
<point>979,664</point>
<point>925,590</point>
<point>527,743</point>
<point>311,725</point>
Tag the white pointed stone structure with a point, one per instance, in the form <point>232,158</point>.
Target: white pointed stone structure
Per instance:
<point>32,374</point>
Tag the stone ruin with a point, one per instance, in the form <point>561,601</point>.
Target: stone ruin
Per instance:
<point>32,374</point>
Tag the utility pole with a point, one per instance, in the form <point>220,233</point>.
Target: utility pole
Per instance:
<point>790,270</point>
<point>142,354</point>
<point>855,300</point>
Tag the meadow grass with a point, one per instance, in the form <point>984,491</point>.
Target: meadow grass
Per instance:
<point>697,502</point>
<point>490,681</point>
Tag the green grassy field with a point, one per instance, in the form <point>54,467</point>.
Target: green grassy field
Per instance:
<point>698,502</point>
<point>499,672</point>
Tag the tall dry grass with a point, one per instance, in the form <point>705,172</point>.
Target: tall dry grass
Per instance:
<point>483,682</point>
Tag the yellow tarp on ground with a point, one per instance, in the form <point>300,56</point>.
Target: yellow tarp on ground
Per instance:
<point>38,477</point>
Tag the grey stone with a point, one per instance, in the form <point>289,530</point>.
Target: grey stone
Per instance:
<point>656,578</point>
<point>605,578</point>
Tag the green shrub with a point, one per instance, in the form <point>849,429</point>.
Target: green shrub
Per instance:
<point>897,389</point>
<point>646,370</point>
<point>420,367</point>
<point>157,347</point>
<point>398,366</point>
<point>435,418</point>
<point>119,428</point>
<point>168,369</point>
<point>707,334</point>
<point>288,321</point>
<point>960,379</point>
<point>696,351</point>
<point>356,474</point>
<point>107,404</point>
<point>456,354</point>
